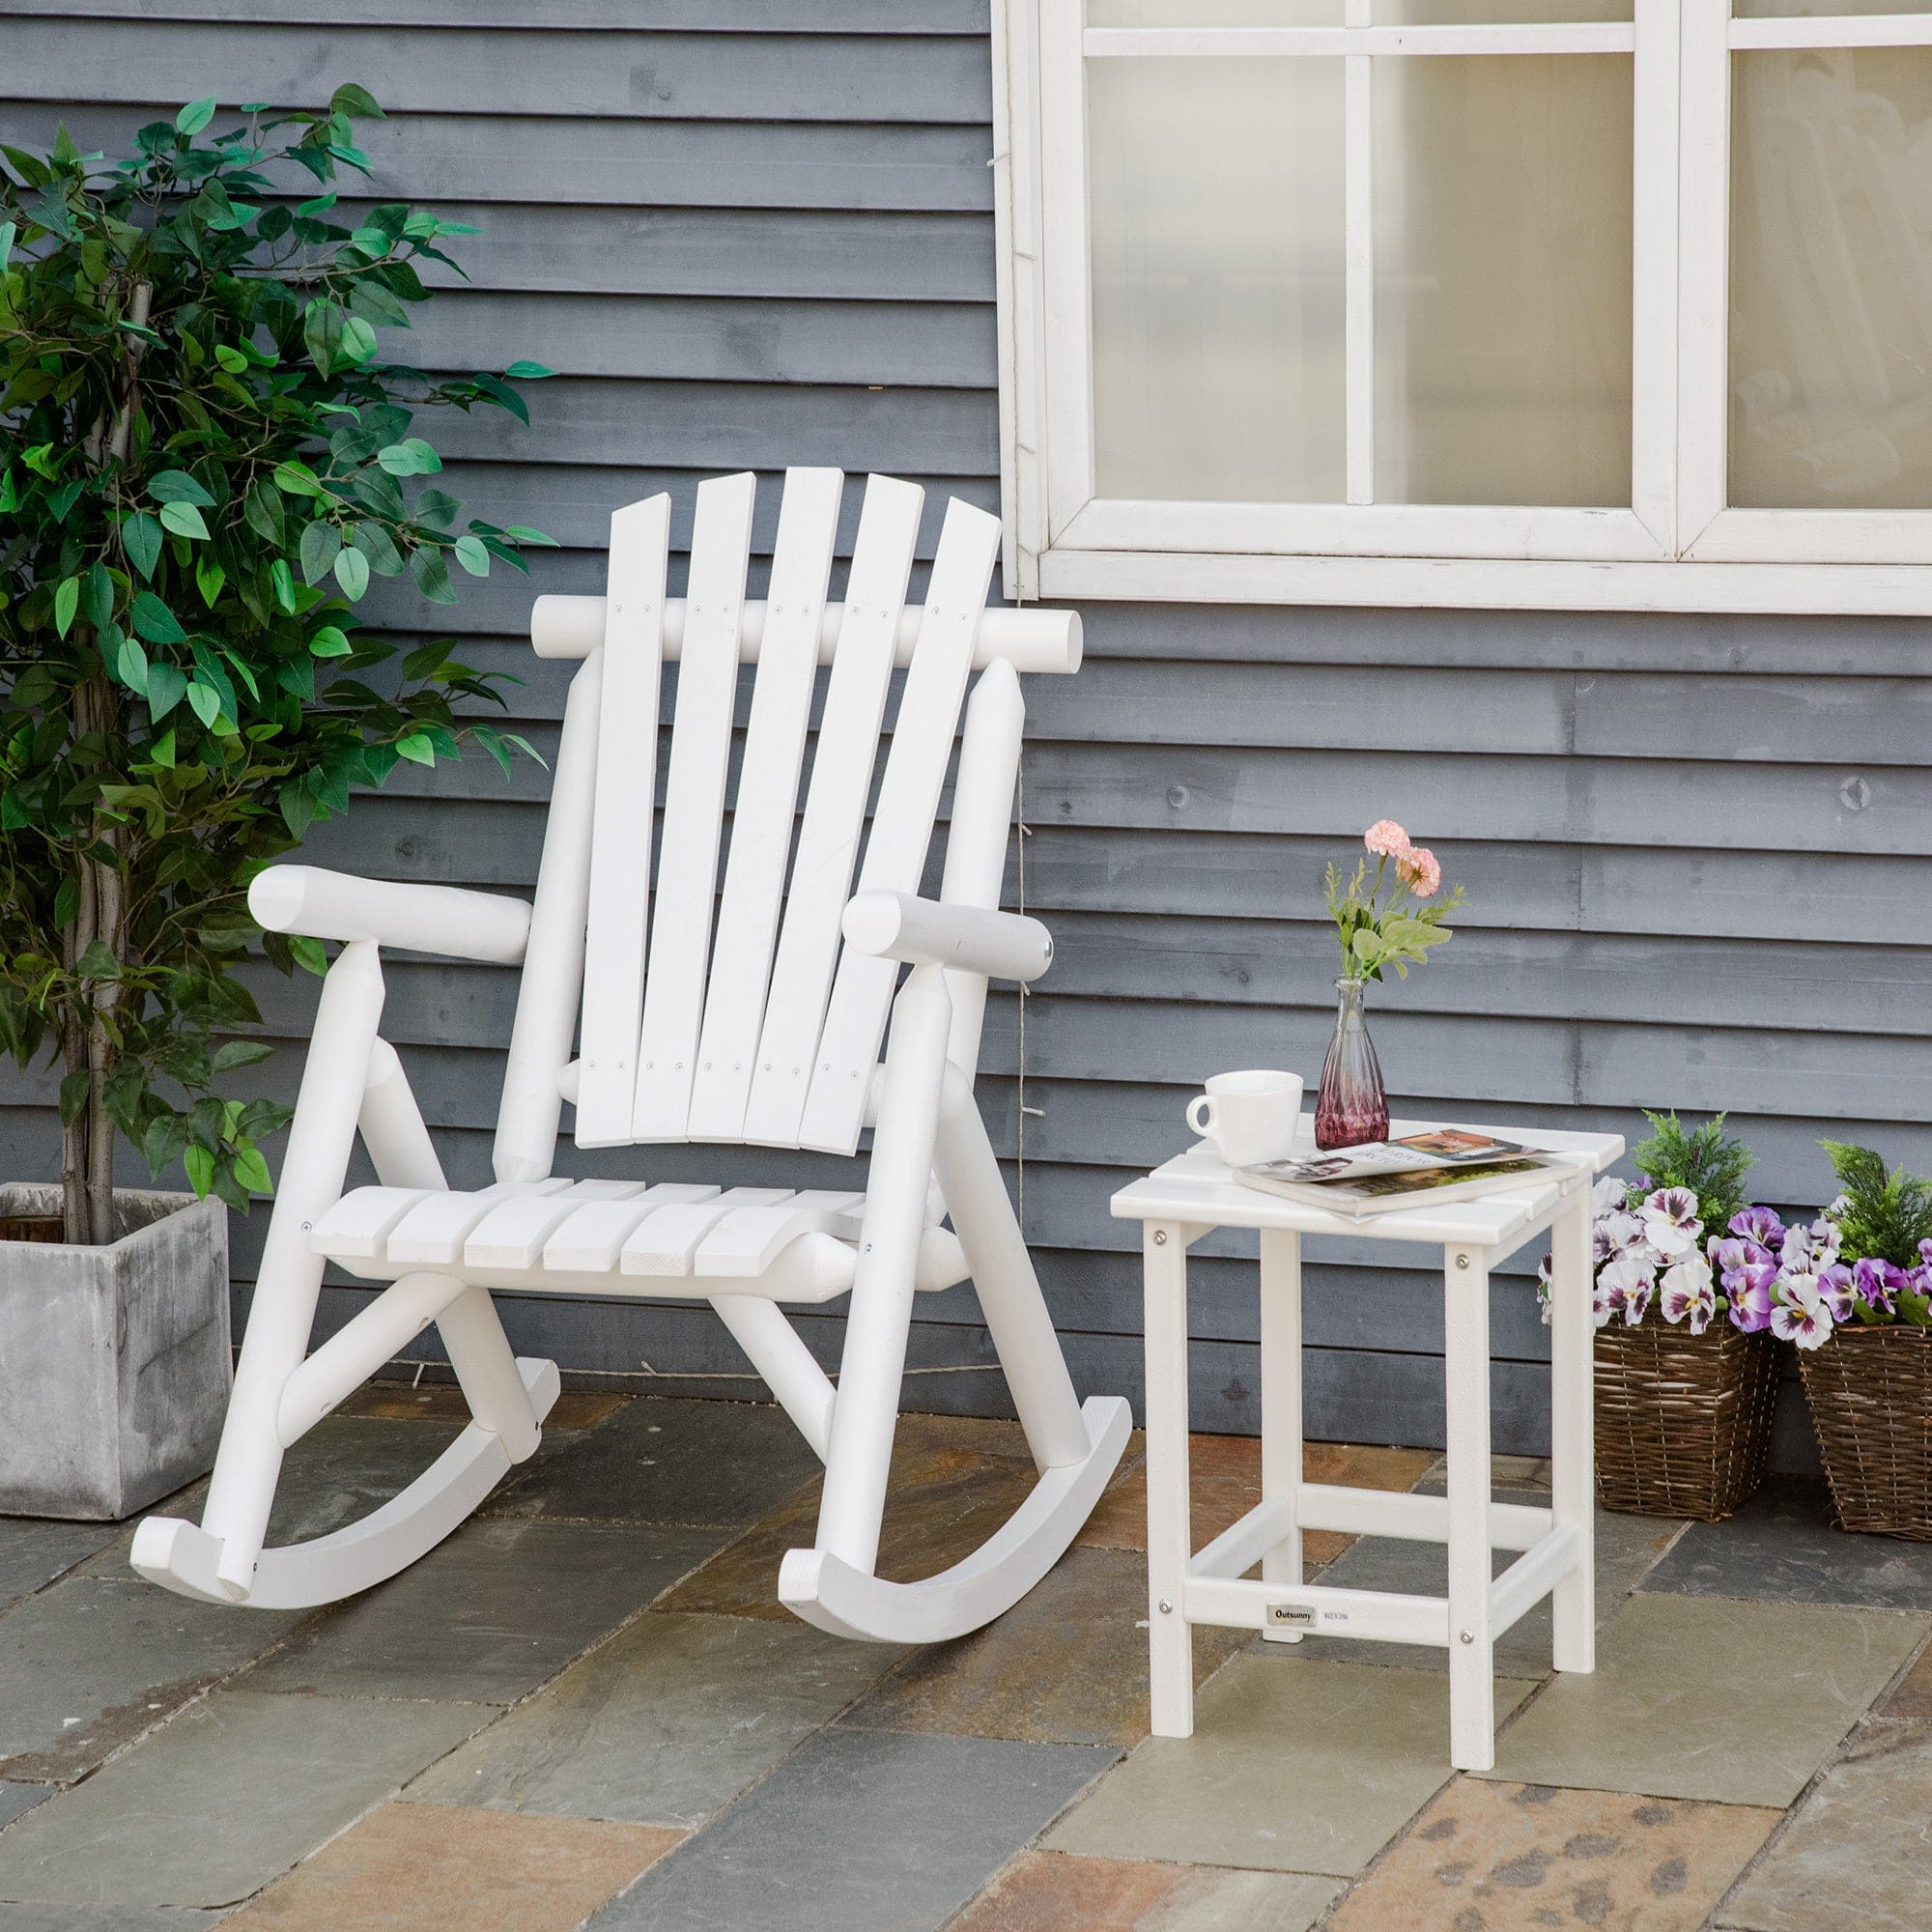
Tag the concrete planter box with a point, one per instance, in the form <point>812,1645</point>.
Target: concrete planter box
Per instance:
<point>114,1362</point>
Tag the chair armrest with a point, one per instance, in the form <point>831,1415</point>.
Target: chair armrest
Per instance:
<point>930,932</point>
<point>320,904</point>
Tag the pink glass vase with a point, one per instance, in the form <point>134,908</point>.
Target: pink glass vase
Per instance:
<point>1353,1104</point>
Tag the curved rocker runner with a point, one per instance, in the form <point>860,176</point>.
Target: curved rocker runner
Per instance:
<point>752,1014</point>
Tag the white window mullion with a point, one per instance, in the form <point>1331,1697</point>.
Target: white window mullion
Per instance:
<point>1654,274</point>
<point>1069,424</point>
<point>1704,201</point>
<point>1360,259</point>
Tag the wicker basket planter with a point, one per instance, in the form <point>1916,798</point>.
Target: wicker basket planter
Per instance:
<point>1683,1420</point>
<point>1870,1391</point>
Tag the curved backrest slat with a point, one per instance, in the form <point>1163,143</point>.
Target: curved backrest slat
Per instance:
<point>693,810</point>
<point>625,796</point>
<point>765,813</point>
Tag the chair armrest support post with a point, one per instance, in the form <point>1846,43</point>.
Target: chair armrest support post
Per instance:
<point>320,904</point>
<point>963,938</point>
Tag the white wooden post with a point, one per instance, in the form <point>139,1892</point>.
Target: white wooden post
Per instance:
<point>1281,1403</point>
<point>1169,1531</point>
<point>1465,1310</point>
<point>1573,1433</point>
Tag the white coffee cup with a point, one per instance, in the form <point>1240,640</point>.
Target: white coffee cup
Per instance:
<point>1250,1117</point>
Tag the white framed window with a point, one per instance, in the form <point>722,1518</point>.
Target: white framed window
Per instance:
<point>1560,304</point>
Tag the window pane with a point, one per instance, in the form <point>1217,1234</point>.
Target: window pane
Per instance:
<point>1214,12</point>
<point>1498,13</point>
<point>1789,9</point>
<point>1216,236</point>
<point>1830,337</point>
<point>1503,229</point>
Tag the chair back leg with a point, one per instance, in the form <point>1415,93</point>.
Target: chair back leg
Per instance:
<point>873,1366</point>
<point>249,1461</point>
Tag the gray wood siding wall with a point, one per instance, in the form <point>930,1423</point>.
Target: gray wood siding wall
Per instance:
<point>750,234</point>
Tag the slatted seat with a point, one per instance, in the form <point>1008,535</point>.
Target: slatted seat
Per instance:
<point>742,1004</point>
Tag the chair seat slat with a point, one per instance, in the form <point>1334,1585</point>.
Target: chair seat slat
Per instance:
<point>593,1236</point>
<point>512,1235</point>
<point>668,1239</point>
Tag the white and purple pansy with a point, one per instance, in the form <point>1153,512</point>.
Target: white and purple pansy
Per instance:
<point>1836,1292</point>
<point>1609,1192</point>
<point>1877,1284</point>
<point>1760,1225</point>
<point>1629,1281</point>
<point>1686,1293</point>
<point>1800,1315</point>
<point>1614,1234</point>
<point>1811,1250</point>
<point>1670,1223</point>
<point>1748,1290</point>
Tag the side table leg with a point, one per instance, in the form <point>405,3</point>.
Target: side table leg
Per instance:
<point>1170,1534</point>
<point>1281,1401</point>
<point>1572,1435</point>
<point>1473,1697</point>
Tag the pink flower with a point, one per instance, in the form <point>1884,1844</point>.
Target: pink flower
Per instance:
<point>1386,839</point>
<point>1419,870</point>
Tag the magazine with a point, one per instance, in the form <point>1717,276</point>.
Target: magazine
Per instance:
<point>1447,1164</point>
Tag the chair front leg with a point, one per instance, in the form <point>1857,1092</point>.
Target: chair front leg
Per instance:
<point>873,1366</point>
<point>249,1461</point>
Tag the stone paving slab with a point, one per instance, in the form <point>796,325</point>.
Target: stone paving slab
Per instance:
<point>1912,1696</point>
<point>1518,1858</point>
<point>90,1664</point>
<point>669,1721</point>
<point>1627,1547</point>
<point>1783,1546</point>
<point>1295,1764</point>
<point>954,1481</point>
<point>229,1796</point>
<point>105,1919</point>
<point>488,1615</point>
<point>1225,1483</point>
<point>1693,1697</point>
<point>1062,1892</point>
<point>714,1464</point>
<point>1067,1665</point>
<point>417,1868</point>
<point>33,1553</point>
<point>1856,1853</point>
<point>442,1402</point>
<point>861,1831</point>
<point>16,1798</point>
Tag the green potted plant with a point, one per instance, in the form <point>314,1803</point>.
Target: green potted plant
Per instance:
<point>1853,1293</point>
<point>1686,1372</point>
<point>203,467</point>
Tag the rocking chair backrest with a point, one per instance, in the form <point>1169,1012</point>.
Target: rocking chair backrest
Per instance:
<point>762,1028</point>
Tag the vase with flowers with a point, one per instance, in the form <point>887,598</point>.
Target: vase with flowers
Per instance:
<point>1384,923</point>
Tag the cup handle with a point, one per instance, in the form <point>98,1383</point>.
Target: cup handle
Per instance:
<point>1202,1104</point>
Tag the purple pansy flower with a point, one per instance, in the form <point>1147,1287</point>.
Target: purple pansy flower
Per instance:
<point>1750,1291</point>
<point>1760,1225</point>
<point>1835,1291</point>
<point>1732,1252</point>
<point>1877,1283</point>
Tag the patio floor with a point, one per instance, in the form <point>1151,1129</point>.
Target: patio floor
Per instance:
<point>588,1706</point>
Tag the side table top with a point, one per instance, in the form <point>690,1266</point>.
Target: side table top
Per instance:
<point>1198,1188</point>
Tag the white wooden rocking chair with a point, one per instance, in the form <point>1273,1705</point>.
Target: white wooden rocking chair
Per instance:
<point>760,1029</point>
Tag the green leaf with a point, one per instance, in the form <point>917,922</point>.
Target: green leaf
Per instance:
<point>297,479</point>
<point>356,342</point>
<point>130,665</point>
<point>67,600</point>
<point>184,520</point>
<point>162,751</point>
<point>141,538</point>
<point>471,554</point>
<point>253,1171</point>
<point>204,700</point>
<point>522,534</point>
<point>154,621</point>
<point>329,643</point>
<point>177,486</point>
<point>432,576</point>
<point>417,747</point>
<point>236,1053</point>
<point>8,231</point>
<point>262,511</point>
<point>284,583</point>
<point>351,572</point>
<point>209,577</point>
<point>412,457</point>
<point>527,372</point>
<point>320,544</point>
<point>358,102</point>
<point>200,1165</point>
<point>321,333</point>
<point>190,121</point>
<point>231,360</point>
<point>167,686</point>
<point>97,596</point>
<point>379,547</point>
<point>308,955</point>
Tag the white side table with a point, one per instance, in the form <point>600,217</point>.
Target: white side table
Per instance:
<point>1192,1195</point>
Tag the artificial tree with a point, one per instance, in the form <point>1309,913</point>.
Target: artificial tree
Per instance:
<point>203,467</point>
